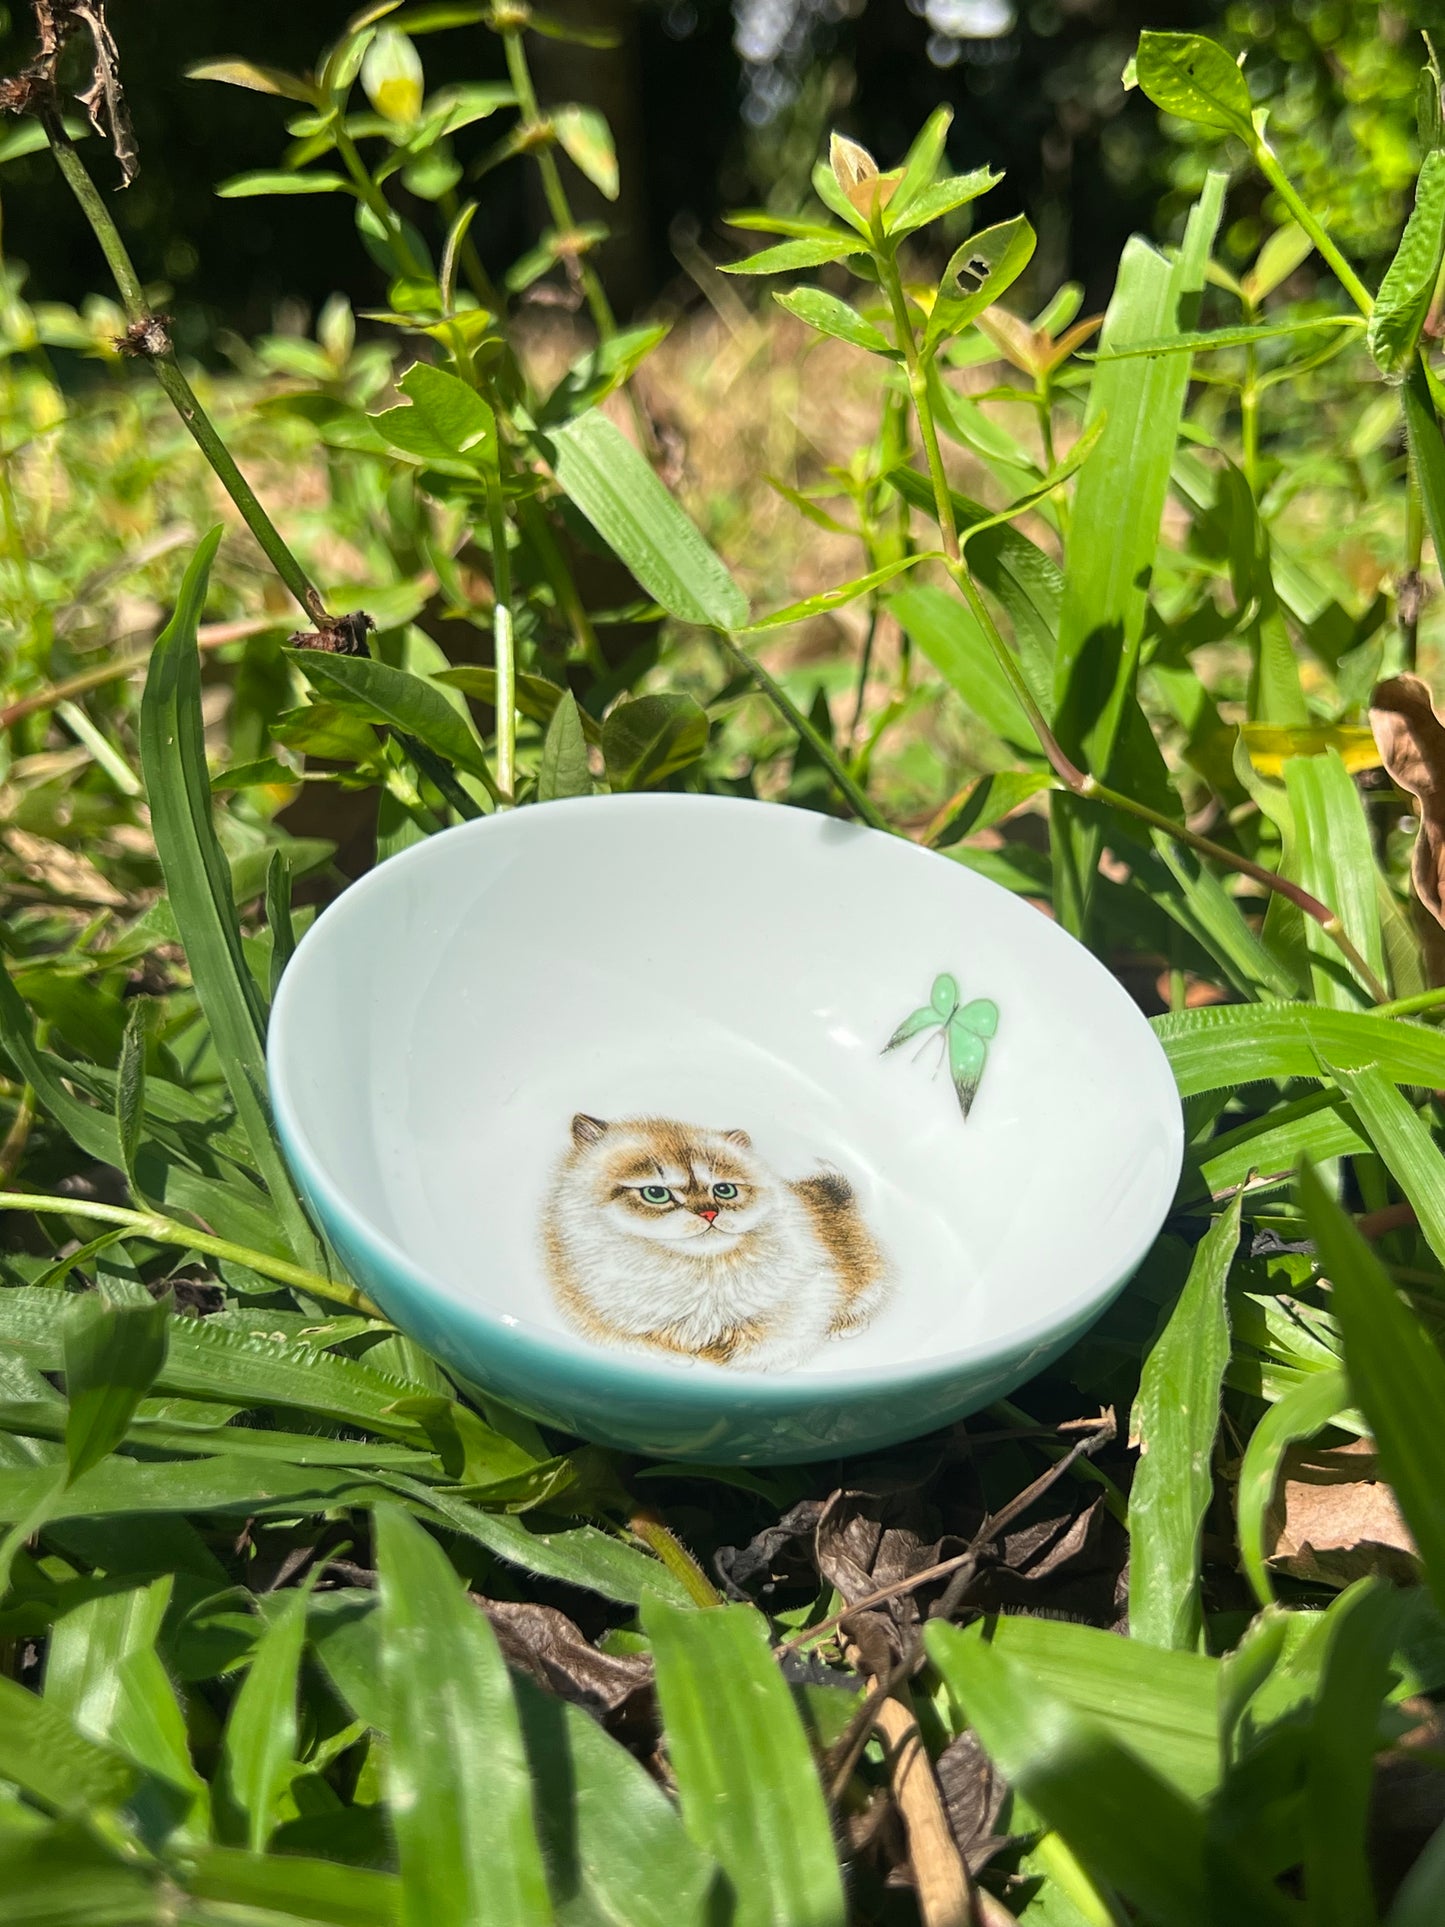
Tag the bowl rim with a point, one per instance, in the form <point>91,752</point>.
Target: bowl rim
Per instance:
<point>627,1373</point>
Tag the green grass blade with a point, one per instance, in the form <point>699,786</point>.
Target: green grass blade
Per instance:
<point>286,1886</point>
<point>1355,1680</point>
<point>1222,1046</point>
<point>1396,1373</point>
<point>130,1092</point>
<point>198,878</point>
<point>749,1791</point>
<point>617,1853</point>
<point>62,1876</point>
<point>258,1747</point>
<point>1303,1410</point>
<point>945,630</point>
<point>460,1791</point>
<point>603,474</point>
<point>1403,1140</point>
<point>1420,1901</point>
<point>1176,1416</point>
<point>111,1353</point>
<point>1332,856</point>
<point>1127,1825</point>
<point>44,1754</point>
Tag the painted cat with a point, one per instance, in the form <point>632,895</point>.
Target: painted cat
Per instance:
<point>682,1239</point>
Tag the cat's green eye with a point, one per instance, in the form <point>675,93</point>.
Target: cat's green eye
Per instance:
<point>656,1194</point>
<point>727,1192</point>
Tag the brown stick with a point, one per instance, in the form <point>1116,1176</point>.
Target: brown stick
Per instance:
<point>210,635</point>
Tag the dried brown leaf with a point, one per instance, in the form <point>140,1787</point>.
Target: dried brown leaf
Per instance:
<point>32,90</point>
<point>545,1643</point>
<point>1334,1521</point>
<point>1411,741</point>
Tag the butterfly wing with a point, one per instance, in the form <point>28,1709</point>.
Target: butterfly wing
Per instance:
<point>910,1027</point>
<point>967,1054</point>
<point>944,995</point>
<point>981,1017</point>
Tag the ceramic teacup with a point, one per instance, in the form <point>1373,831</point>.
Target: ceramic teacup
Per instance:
<point>719,1130</point>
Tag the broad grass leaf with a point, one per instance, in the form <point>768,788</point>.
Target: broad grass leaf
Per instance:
<point>564,769</point>
<point>103,1671</point>
<point>587,142</point>
<point>1331,854</point>
<point>61,1875</point>
<point>1200,341</point>
<point>258,1747</point>
<point>1307,1408</point>
<point>1420,1899</point>
<point>1270,748</point>
<point>1396,1373</point>
<point>46,1756</point>
<point>1220,1046</point>
<point>396,697</point>
<point>1119,501</point>
<point>1162,1705</point>
<point>198,880</point>
<point>1194,79</point>
<point>456,1769</point>
<point>1272,1144</point>
<point>830,316</point>
<point>1200,904</point>
<point>219,1483</point>
<point>289,1887</point>
<point>745,1776</point>
<point>602,473</point>
<point>1403,301</point>
<point>1404,1142</point>
<point>1176,1416</point>
<point>111,1351</point>
<point>615,1848</point>
<point>944,629</point>
<point>1411,742</point>
<point>648,739</point>
<point>1360,1638</point>
<point>602,370</point>
<point>1124,1821</point>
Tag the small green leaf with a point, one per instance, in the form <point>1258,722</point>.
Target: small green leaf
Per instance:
<point>446,421</point>
<point>259,79</point>
<point>564,769</point>
<point>920,166</point>
<point>600,470</point>
<point>586,139</point>
<point>650,738</point>
<point>456,1768</point>
<point>1396,1373</point>
<point>1195,80</point>
<point>1176,1416</point>
<point>830,316</point>
<point>956,191</point>
<point>242,187</point>
<point>788,255</point>
<point>846,592</point>
<point>745,1776</point>
<point>1405,294</point>
<point>258,1747</point>
<point>44,1755</point>
<point>395,697</point>
<point>112,1354</point>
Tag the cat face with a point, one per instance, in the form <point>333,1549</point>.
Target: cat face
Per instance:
<point>691,1190</point>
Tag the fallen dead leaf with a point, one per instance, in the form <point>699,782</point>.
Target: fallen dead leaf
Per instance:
<point>1334,1521</point>
<point>1411,741</point>
<point>65,872</point>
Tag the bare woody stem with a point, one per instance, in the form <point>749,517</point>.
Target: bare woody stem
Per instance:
<point>168,371</point>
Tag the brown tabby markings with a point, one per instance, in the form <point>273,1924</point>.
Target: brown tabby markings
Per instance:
<point>760,1274</point>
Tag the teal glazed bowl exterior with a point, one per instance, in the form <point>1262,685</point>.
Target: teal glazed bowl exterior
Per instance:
<point>717,1130</point>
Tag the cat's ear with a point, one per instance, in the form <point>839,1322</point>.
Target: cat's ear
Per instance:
<point>587,1130</point>
<point>740,1138</point>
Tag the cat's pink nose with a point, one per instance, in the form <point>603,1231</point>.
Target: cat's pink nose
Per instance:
<point>709,1214</point>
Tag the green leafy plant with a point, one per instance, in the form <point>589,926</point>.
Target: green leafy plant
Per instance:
<point>291,1629</point>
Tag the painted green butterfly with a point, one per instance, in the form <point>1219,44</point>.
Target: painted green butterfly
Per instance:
<point>964,1031</point>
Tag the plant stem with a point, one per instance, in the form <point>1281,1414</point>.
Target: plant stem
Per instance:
<point>1412,1006</point>
<point>822,749</point>
<point>504,657</point>
<point>1410,593</point>
<point>168,372</point>
<point>166,1231</point>
<point>555,193</point>
<point>1268,165</point>
<point>658,1538</point>
<point>922,406</point>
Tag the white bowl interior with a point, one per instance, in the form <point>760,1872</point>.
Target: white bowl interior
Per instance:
<point>735,966</point>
